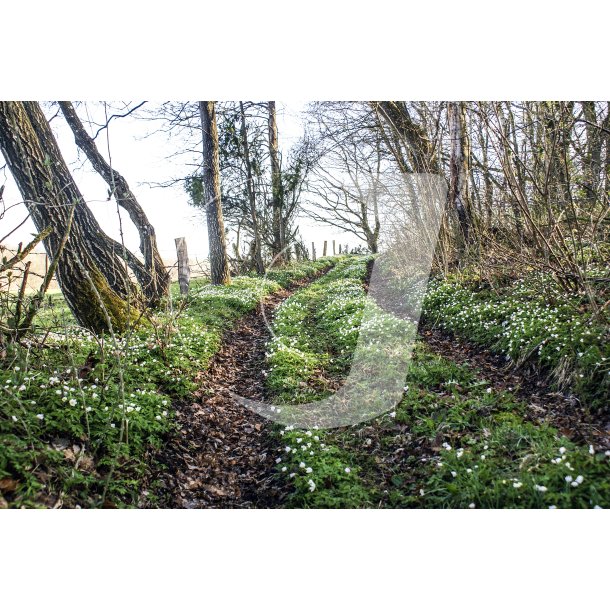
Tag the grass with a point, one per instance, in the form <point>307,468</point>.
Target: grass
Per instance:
<point>452,442</point>
<point>80,416</point>
<point>530,321</point>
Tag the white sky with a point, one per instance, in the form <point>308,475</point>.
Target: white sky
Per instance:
<point>143,157</point>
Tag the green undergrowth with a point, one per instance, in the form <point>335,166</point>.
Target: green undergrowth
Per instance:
<point>316,331</point>
<point>530,321</point>
<point>80,414</point>
<point>452,442</point>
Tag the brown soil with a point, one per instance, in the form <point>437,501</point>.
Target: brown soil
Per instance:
<point>223,455</point>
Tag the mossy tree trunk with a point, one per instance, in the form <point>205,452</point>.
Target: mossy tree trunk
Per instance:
<point>90,273</point>
<point>219,261</point>
<point>152,276</point>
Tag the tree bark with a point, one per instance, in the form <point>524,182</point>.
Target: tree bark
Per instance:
<point>276,186</point>
<point>419,149</point>
<point>458,183</point>
<point>89,272</point>
<point>219,261</point>
<point>184,270</point>
<point>153,277</point>
<point>258,257</point>
<point>593,159</point>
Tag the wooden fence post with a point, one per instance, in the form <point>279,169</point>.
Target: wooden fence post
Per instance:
<point>325,246</point>
<point>184,271</point>
<point>339,248</point>
<point>313,251</point>
<point>334,248</point>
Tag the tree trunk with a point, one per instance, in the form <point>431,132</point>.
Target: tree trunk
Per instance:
<point>258,257</point>
<point>458,183</point>
<point>419,149</point>
<point>219,261</point>
<point>276,186</point>
<point>51,197</point>
<point>106,252</point>
<point>184,269</point>
<point>153,277</point>
<point>593,160</point>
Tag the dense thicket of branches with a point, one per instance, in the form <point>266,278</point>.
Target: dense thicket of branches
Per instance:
<point>528,181</point>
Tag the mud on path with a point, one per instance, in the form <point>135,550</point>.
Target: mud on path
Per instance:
<point>222,455</point>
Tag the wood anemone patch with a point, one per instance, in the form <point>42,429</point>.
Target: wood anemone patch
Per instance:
<point>562,411</point>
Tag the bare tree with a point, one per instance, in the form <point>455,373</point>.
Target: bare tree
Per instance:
<point>345,184</point>
<point>459,170</point>
<point>257,246</point>
<point>276,185</point>
<point>219,262</point>
<point>153,276</point>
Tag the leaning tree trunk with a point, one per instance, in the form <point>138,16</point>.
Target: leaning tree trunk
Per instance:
<point>219,261</point>
<point>276,186</point>
<point>53,200</point>
<point>106,252</point>
<point>420,151</point>
<point>258,257</point>
<point>152,277</point>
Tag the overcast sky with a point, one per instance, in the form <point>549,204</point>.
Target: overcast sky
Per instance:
<point>143,157</point>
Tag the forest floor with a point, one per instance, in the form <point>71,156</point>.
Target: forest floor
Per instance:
<point>470,431</point>
<point>227,456</point>
<point>472,428</point>
<point>562,410</point>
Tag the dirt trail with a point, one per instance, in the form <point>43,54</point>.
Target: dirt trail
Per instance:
<point>222,455</point>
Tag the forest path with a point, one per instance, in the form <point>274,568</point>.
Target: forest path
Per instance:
<point>222,455</point>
